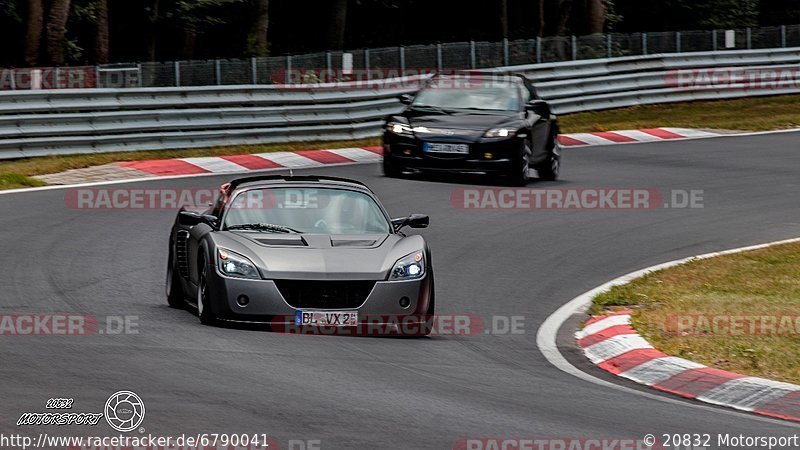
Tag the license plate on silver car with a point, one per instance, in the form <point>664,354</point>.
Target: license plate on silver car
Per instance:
<point>445,148</point>
<point>326,318</point>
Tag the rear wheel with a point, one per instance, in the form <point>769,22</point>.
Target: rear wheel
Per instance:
<point>203,312</point>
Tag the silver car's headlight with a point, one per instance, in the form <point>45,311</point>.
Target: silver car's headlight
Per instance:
<point>409,267</point>
<point>235,265</point>
<point>499,132</point>
<point>398,128</point>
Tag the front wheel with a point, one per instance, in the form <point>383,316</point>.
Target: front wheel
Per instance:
<point>175,295</point>
<point>390,168</point>
<point>550,168</point>
<point>203,312</point>
<point>518,175</point>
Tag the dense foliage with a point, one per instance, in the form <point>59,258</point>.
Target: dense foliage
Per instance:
<point>55,32</point>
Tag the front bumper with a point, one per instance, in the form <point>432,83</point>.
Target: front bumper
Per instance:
<point>492,156</point>
<point>267,304</point>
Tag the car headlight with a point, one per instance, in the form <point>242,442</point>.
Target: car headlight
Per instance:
<point>409,267</point>
<point>235,265</point>
<point>499,132</point>
<point>398,128</point>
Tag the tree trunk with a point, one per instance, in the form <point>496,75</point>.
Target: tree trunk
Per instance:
<point>541,22</point>
<point>33,34</point>
<point>102,32</point>
<point>152,31</point>
<point>338,24</point>
<point>57,31</point>
<point>564,13</point>
<point>504,18</point>
<point>596,16</point>
<point>259,45</point>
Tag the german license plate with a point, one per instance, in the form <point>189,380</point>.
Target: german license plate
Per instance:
<point>327,318</point>
<point>445,148</point>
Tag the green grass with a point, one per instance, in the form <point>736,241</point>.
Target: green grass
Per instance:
<point>17,173</point>
<point>763,282</point>
<point>749,114</point>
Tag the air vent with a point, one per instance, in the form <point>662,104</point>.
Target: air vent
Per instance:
<point>325,294</point>
<point>283,242</point>
<point>182,252</point>
<point>352,243</point>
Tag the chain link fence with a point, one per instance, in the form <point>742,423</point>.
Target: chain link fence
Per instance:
<point>388,62</point>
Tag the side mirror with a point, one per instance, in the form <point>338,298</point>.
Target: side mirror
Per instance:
<point>406,99</point>
<point>413,221</point>
<point>191,218</point>
<point>538,107</point>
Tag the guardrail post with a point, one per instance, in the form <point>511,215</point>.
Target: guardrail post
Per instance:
<point>678,42</point>
<point>367,64</point>
<point>253,70</point>
<point>97,77</point>
<point>472,61</point>
<point>58,76</point>
<point>217,72</point>
<point>177,66</point>
<point>139,74</point>
<point>329,64</point>
<point>609,46</point>
<point>402,61</point>
<point>439,62</point>
<point>13,80</point>
<point>783,36</point>
<point>538,49</point>
<point>749,39</point>
<point>574,47</point>
<point>714,40</point>
<point>505,52</point>
<point>644,43</point>
<point>288,69</point>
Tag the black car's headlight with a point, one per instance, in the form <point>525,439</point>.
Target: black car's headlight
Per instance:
<point>235,265</point>
<point>500,132</point>
<point>409,267</point>
<point>398,128</point>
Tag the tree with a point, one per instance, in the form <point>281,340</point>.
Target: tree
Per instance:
<point>338,24</point>
<point>57,30</point>
<point>33,32</point>
<point>258,45</point>
<point>102,48</point>
<point>504,18</point>
<point>595,16</point>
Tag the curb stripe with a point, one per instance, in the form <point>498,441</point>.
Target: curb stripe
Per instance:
<point>786,407</point>
<point>324,156</point>
<point>695,382</point>
<point>615,346</point>
<point>164,167</point>
<point>288,159</point>
<point>662,133</point>
<point>604,334</point>
<point>747,393</point>
<point>628,361</point>
<point>212,164</point>
<point>252,162</point>
<point>600,325</point>
<point>594,319</point>
<point>614,137</point>
<point>659,369</point>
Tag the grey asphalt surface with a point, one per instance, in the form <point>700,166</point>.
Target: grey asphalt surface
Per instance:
<point>350,392</point>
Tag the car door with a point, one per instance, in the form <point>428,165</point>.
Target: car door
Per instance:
<point>540,125</point>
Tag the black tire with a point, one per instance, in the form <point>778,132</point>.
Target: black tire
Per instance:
<point>203,311</point>
<point>176,298</point>
<point>550,168</point>
<point>390,168</point>
<point>518,175</point>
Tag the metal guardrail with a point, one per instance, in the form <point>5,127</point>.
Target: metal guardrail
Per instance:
<point>34,123</point>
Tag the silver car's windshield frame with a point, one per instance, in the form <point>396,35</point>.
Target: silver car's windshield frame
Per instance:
<point>223,220</point>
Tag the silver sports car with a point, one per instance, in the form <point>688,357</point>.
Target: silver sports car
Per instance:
<point>302,253</point>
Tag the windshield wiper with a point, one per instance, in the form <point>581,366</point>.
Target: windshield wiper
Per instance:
<point>271,227</point>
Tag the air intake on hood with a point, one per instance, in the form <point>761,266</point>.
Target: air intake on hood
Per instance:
<point>352,242</point>
<point>294,242</point>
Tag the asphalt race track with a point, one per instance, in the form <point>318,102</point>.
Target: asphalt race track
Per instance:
<point>350,392</point>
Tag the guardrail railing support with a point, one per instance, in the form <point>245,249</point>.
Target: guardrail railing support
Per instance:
<point>217,72</point>
<point>574,47</point>
<point>177,73</point>
<point>609,46</point>
<point>714,40</point>
<point>505,52</point>
<point>439,62</point>
<point>644,43</point>
<point>749,39</point>
<point>288,76</point>
<point>538,49</point>
<point>329,63</point>
<point>678,42</point>
<point>402,60</point>
<point>472,59</point>
<point>253,70</point>
<point>783,36</point>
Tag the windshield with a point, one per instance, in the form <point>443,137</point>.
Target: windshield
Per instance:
<point>493,98</point>
<point>306,210</point>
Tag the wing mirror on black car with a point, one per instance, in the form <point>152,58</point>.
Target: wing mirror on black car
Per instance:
<point>538,107</point>
<point>406,99</point>
<point>413,221</point>
<point>191,218</point>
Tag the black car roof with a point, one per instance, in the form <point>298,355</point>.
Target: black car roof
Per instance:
<point>280,179</point>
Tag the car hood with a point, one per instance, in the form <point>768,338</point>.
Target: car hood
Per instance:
<point>321,256</point>
<point>460,125</point>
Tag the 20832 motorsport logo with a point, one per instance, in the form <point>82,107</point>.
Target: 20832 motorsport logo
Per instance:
<point>124,411</point>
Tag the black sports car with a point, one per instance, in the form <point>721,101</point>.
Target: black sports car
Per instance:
<point>302,251</point>
<point>475,123</point>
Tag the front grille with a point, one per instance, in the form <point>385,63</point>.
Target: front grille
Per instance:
<point>324,294</point>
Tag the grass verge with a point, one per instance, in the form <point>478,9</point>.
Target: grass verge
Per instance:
<point>17,173</point>
<point>748,114</point>
<point>713,311</point>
